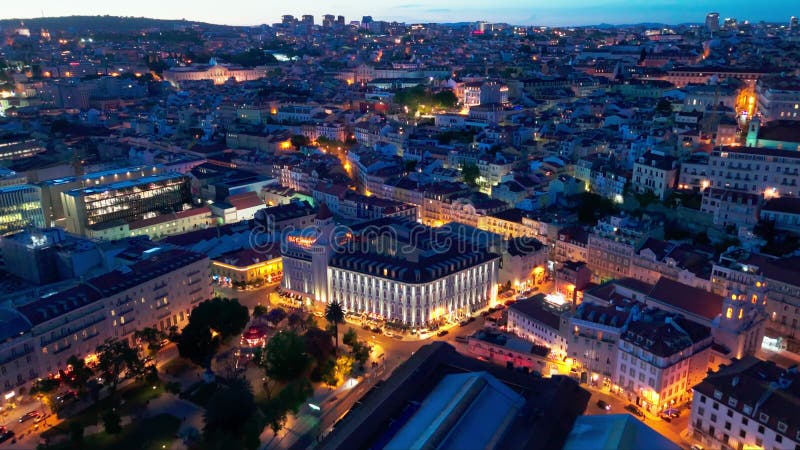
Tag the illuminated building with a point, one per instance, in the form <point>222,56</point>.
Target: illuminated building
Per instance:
<point>159,289</point>
<point>778,98</point>
<point>20,207</point>
<point>218,73</point>
<point>770,279</point>
<point>712,22</point>
<point>390,269</point>
<point>656,173</point>
<point>247,266</point>
<point>125,201</point>
<point>748,403</point>
<point>524,262</point>
<point>592,333</point>
<point>761,171</point>
<point>538,320</point>
<point>661,357</point>
<point>44,256</point>
<point>19,146</point>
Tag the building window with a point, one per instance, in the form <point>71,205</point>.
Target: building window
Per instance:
<point>742,434</point>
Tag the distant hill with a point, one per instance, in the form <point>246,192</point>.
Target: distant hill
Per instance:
<point>107,24</point>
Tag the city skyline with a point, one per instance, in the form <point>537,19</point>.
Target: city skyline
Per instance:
<point>516,12</point>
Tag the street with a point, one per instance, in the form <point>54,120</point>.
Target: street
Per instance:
<point>674,430</point>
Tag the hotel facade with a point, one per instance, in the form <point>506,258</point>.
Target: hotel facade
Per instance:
<point>389,269</point>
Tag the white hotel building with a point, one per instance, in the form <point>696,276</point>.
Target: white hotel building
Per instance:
<point>390,269</point>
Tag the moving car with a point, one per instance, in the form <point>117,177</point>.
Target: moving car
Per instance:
<point>442,333</point>
<point>603,405</point>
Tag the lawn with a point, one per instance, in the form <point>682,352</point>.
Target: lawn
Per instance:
<point>145,434</point>
<point>135,397</point>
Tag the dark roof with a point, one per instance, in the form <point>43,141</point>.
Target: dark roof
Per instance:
<point>763,387</point>
<point>523,246</point>
<point>789,205</point>
<point>534,309</point>
<point>104,286</point>
<point>551,404</point>
<point>44,309</point>
<point>783,130</point>
<point>687,298</point>
<point>12,324</point>
<point>664,334</point>
<point>324,212</point>
<point>510,215</point>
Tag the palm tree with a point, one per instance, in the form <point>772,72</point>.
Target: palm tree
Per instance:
<point>335,315</point>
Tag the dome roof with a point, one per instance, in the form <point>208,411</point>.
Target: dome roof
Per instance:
<point>12,324</point>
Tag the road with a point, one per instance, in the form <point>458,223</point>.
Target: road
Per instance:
<point>388,352</point>
<point>249,298</point>
<point>674,430</point>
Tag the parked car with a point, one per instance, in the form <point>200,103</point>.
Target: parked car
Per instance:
<point>67,396</point>
<point>633,409</point>
<point>29,415</point>
<point>603,405</point>
<point>462,339</point>
<point>471,319</point>
<point>666,418</point>
<point>442,333</point>
<point>463,323</point>
<point>6,435</point>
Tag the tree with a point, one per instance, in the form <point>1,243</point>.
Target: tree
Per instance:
<point>296,320</point>
<point>335,315</point>
<point>225,316</point>
<point>350,338</point>
<point>152,337</point>
<point>229,409</point>
<point>445,99</point>
<point>259,311</point>
<point>275,316</point>
<point>319,344</point>
<point>663,107</point>
<point>45,386</point>
<point>112,422</point>
<point>79,373</point>
<point>285,357</point>
<point>361,352</point>
<point>198,344</point>
<point>298,141</point>
<point>211,323</point>
<point>116,357</point>
<point>76,432</point>
<point>470,173</point>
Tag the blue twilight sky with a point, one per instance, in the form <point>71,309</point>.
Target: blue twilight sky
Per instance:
<point>521,12</point>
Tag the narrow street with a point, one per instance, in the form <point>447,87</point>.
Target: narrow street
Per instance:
<point>674,430</point>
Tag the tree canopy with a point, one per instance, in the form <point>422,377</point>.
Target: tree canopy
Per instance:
<point>285,357</point>
<point>116,357</point>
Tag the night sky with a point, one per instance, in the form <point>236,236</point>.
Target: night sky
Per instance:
<point>518,12</point>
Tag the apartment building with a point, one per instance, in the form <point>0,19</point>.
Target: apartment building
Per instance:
<point>748,403</point>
